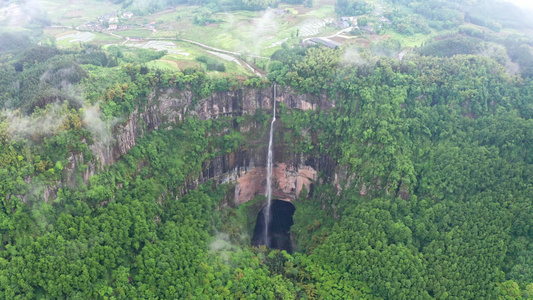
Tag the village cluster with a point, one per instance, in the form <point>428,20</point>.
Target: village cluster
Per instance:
<point>111,22</point>
<point>114,21</point>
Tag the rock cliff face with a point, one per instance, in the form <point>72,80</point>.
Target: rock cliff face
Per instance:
<point>245,168</point>
<point>167,107</point>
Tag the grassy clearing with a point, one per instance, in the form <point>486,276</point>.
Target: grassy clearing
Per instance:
<point>55,32</point>
<point>144,33</point>
<point>163,65</point>
<point>234,69</point>
<point>169,16</point>
<point>72,38</point>
<point>231,67</point>
<point>58,35</point>
<point>415,40</point>
<point>193,50</point>
<point>176,61</point>
<point>69,45</point>
<point>102,38</point>
<point>217,37</point>
<point>168,34</point>
<point>325,11</point>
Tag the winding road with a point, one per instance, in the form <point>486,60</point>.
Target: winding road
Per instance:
<point>222,51</point>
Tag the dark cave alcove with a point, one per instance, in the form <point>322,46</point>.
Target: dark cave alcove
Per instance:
<point>279,237</point>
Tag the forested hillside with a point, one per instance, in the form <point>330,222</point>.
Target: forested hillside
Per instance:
<point>427,194</point>
<point>441,147</point>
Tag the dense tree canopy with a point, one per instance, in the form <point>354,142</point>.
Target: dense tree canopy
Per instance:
<point>435,135</point>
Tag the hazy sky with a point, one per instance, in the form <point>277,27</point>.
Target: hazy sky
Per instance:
<point>523,3</point>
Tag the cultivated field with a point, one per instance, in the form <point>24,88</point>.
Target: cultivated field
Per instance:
<point>247,35</point>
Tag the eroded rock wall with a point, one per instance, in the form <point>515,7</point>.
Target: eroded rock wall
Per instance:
<point>246,168</point>
<point>167,107</point>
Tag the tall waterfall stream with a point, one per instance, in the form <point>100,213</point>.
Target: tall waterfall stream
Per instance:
<point>274,221</point>
<point>269,171</point>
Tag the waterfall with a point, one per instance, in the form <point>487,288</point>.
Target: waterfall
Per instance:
<point>269,171</point>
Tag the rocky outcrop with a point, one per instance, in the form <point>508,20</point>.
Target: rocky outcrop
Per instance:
<point>38,191</point>
<point>76,163</point>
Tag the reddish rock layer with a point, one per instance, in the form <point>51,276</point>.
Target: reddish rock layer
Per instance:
<point>287,182</point>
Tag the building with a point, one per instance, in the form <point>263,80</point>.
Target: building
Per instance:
<point>110,18</point>
<point>151,25</point>
<point>112,27</point>
<point>368,29</point>
<point>386,21</point>
<point>325,42</point>
<point>127,14</point>
<point>93,26</point>
<point>342,24</point>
